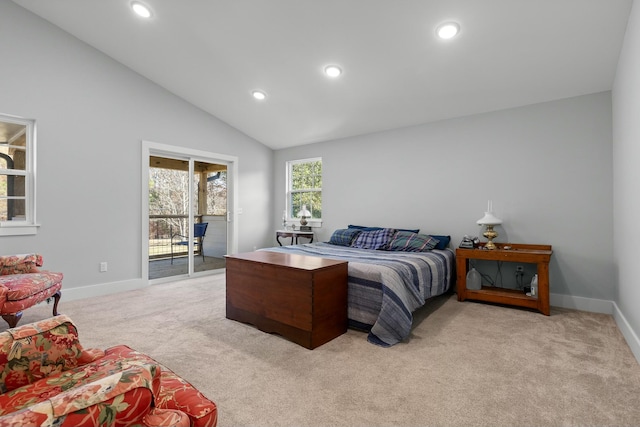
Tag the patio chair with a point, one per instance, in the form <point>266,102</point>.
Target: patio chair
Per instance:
<point>199,231</point>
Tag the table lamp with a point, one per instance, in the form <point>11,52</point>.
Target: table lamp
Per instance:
<point>304,214</point>
<point>489,220</point>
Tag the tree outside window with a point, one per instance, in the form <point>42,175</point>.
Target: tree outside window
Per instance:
<point>304,187</point>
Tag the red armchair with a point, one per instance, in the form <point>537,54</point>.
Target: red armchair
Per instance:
<point>23,285</point>
<point>48,379</point>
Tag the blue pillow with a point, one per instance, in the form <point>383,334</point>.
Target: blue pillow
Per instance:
<point>443,241</point>
<point>410,242</point>
<point>344,236</point>
<point>373,239</point>
<point>364,228</point>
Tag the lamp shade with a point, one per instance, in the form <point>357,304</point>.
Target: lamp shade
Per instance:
<point>304,212</point>
<point>489,219</point>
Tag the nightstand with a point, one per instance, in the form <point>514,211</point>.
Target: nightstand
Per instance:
<point>534,254</point>
<point>294,234</point>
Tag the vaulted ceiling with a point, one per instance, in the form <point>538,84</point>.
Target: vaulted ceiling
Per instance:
<point>396,72</point>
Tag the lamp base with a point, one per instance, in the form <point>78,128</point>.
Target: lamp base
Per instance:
<point>490,234</point>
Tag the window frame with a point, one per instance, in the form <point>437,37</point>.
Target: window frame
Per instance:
<point>29,225</point>
<point>314,222</point>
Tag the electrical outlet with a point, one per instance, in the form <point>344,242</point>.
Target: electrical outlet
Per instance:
<point>103,267</point>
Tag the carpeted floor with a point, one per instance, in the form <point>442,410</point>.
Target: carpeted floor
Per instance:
<point>465,364</point>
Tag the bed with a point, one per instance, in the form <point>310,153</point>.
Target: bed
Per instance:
<point>385,287</point>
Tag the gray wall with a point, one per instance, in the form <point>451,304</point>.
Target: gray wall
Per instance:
<point>92,114</point>
<point>626,160</point>
<point>546,167</point>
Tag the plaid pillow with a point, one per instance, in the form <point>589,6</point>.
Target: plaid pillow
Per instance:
<point>365,228</point>
<point>343,237</point>
<point>373,239</point>
<point>410,242</point>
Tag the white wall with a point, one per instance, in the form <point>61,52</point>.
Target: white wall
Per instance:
<point>92,114</point>
<point>547,168</point>
<point>626,178</point>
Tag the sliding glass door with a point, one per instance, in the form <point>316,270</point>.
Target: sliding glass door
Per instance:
<point>188,213</point>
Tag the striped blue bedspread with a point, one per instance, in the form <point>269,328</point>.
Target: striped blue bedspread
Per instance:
<point>385,288</point>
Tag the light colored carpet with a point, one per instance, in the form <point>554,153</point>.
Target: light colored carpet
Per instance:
<point>465,364</point>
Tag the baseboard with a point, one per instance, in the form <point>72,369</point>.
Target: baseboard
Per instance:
<point>629,334</point>
<point>580,303</point>
<point>71,294</point>
<point>601,306</point>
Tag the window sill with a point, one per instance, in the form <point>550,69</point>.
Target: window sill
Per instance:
<point>8,229</point>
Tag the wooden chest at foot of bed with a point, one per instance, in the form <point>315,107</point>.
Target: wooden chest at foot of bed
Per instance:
<point>302,298</point>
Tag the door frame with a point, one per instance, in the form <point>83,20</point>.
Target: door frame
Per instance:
<point>150,148</point>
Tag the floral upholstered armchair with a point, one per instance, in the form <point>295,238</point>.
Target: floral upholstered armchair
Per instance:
<point>48,379</point>
<point>23,285</point>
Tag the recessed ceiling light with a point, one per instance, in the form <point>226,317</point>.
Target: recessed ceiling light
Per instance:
<point>259,95</point>
<point>332,70</point>
<point>448,30</point>
<point>140,9</point>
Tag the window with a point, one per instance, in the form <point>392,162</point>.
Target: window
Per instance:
<point>304,187</point>
<point>17,176</point>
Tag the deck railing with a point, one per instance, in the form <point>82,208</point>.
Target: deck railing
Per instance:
<point>161,230</point>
